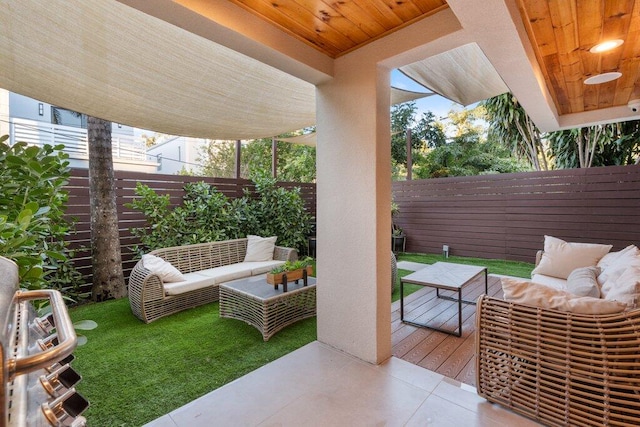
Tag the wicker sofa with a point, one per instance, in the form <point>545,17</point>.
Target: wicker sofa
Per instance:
<point>561,368</point>
<point>205,266</point>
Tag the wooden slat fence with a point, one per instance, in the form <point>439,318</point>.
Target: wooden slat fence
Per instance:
<point>506,216</point>
<point>125,182</point>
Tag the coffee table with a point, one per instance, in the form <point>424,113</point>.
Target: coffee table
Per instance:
<point>448,276</point>
<point>257,303</point>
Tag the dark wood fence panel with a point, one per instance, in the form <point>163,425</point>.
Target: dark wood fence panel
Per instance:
<point>125,183</point>
<point>506,216</point>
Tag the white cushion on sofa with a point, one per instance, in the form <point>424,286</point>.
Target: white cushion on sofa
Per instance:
<point>560,258</point>
<point>630,256</point>
<point>229,272</point>
<point>611,257</point>
<point>537,295</point>
<point>262,267</point>
<point>164,269</point>
<point>192,282</point>
<point>626,288</point>
<point>260,248</point>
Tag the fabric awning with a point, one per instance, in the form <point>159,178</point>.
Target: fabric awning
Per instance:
<point>109,60</point>
<point>463,75</point>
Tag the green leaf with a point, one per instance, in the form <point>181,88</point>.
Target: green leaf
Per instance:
<point>85,325</point>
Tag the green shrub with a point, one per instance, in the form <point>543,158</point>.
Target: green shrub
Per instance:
<point>207,215</point>
<point>32,204</point>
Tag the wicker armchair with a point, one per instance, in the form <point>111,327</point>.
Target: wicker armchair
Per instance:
<point>147,296</point>
<point>562,369</point>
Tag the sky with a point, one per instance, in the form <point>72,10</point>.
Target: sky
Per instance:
<point>437,104</point>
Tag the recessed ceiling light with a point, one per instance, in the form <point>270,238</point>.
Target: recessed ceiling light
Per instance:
<point>602,78</point>
<point>605,46</point>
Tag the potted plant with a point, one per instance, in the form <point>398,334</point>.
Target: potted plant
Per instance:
<point>398,238</point>
<point>290,271</point>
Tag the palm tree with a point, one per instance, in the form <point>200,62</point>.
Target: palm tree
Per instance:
<point>512,125</point>
<point>108,279</point>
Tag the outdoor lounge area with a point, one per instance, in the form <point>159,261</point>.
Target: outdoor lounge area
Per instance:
<point>240,70</point>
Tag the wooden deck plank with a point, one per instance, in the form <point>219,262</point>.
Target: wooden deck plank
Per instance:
<point>440,352</point>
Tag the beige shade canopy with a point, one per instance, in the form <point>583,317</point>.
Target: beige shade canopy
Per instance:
<point>108,60</point>
<point>463,75</point>
<point>104,59</point>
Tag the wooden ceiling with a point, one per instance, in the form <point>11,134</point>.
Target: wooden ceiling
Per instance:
<point>336,27</point>
<point>563,31</point>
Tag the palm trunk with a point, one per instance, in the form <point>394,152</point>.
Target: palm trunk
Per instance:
<point>108,279</point>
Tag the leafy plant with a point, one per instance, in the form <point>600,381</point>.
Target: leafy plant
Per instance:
<point>32,205</point>
<point>207,215</point>
<point>292,265</point>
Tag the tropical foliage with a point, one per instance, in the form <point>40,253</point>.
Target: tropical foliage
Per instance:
<point>207,215</point>
<point>32,223</point>
<point>296,163</point>
<point>513,127</point>
<point>598,145</point>
<point>466,150</point>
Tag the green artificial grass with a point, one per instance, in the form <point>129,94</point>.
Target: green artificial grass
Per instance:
<point>135,372</point>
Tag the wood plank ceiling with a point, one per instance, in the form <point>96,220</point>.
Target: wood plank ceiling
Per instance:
<point>563,31</point>
<point>338,27</point>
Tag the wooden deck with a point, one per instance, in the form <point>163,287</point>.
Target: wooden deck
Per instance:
<point>440,352</point>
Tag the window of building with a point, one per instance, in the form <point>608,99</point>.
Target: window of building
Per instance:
<point>64,117</point>
<point>159,161</point>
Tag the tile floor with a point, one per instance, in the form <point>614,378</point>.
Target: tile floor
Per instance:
<point>317,385</point>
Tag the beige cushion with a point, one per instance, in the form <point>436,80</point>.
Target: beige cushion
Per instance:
<point>609,258</point>
<point>192,282</point>
<point>552,282</point>
<point>262,267</point>
<point>164,269</point>
<point>260,248</point>
<point>628,257</point>
<point>226,273</point>
<point>560,258</point>
<point>626,288</point>
<point>583,282</point>
<point>537,295</point>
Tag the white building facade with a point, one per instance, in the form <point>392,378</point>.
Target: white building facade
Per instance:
<point>38,123</point>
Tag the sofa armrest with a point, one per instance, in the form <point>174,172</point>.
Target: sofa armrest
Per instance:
<point>144,285</point>
<point>281,253</point>
<point>538,257</point>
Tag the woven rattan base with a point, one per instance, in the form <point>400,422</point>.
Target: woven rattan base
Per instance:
<point>562,369</point>
<point>257,303</point>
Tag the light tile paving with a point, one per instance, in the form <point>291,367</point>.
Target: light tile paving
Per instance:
<point>317,385</point>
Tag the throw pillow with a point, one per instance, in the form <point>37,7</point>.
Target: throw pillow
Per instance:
<point>629,256</point>
<point>260,248</point>
<point>534,294</point>
<point>583,282</point>
<point>167,272</point>
<point>560,258</point>
<point>611,257</point>
<point>626,288</point>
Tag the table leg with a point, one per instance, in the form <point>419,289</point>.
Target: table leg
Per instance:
<point>401,300</point>
<point>460,312</point>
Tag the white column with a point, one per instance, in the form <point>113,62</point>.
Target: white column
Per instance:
<point>354,210</point>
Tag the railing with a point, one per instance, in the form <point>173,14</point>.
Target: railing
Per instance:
<point>74,139</point>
